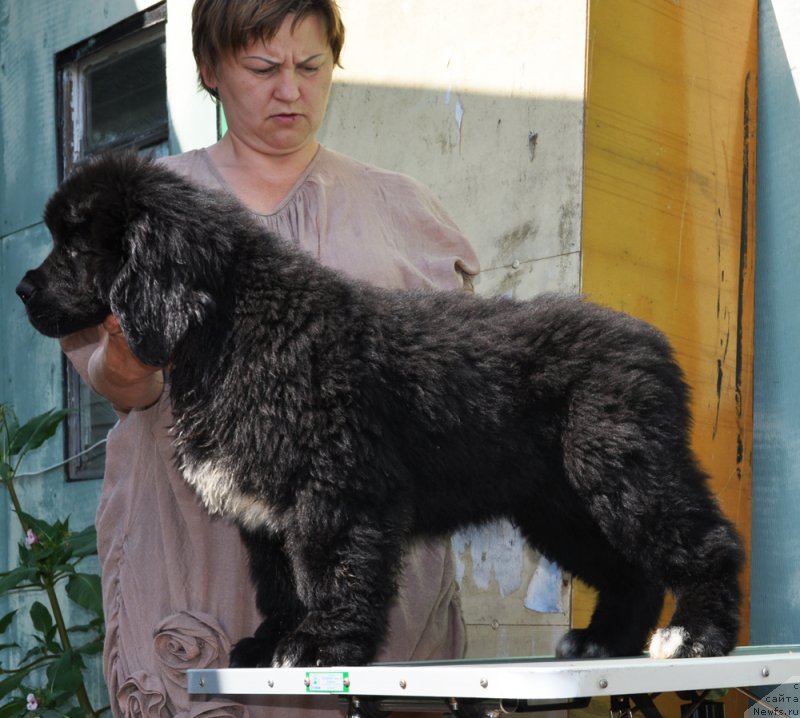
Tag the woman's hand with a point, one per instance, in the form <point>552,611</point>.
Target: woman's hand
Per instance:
<point>118,375</point>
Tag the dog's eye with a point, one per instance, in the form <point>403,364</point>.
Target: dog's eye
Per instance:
<point>72,253</point>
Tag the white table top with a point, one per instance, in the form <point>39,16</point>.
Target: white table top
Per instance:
<point>512,678</point>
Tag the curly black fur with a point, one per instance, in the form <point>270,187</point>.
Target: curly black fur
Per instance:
<point>335,420</point>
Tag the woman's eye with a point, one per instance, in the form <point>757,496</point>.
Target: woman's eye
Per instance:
<point>264,71</point>
<point>308,69</point>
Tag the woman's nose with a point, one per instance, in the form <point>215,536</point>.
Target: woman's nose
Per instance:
<point>288,88</point>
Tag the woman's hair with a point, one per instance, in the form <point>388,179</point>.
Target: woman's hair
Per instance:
<point>220,27</point>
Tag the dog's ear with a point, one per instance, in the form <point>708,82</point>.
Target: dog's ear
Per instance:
<point>164,289</point>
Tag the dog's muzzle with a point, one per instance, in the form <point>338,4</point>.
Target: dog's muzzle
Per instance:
<point>26,289</point>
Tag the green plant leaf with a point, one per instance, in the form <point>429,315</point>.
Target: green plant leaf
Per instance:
<point>35,432</point>
<point>15,707</point>
<point>20,577</point>
<point>84,543</point>
<point>40,617</point>
<point>50,641</point>
<point>8,427</point>
<point>85,590</point>
<point>6,620</point>
<point>65,674</point>
<point>10,684</point>
<point>36,652</point>
<point>96,625</point>
<point>91,648</point>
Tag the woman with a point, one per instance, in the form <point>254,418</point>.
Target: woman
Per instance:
<point>176,585</point>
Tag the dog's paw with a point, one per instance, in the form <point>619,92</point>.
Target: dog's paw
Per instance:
<point>252,653</point>
<point>303,649</point>
<point>577,643</point>
<point>694,642</point>
<point>674,642</point>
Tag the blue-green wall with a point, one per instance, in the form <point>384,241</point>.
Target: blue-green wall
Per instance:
<point>31,33</point>
<point>775,616</point>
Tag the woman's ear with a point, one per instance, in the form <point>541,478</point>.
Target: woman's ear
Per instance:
<point>208,78</point>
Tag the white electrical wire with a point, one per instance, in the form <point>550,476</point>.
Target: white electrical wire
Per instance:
<point>39,472</point>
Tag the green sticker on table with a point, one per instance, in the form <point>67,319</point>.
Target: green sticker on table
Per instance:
<point>327,682</point>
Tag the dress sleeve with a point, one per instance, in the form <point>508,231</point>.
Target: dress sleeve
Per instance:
<point>429,237</point>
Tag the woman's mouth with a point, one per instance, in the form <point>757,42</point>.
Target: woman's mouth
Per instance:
<point>286,118</point>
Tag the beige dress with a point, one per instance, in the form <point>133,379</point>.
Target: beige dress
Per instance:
<point>175,580</point>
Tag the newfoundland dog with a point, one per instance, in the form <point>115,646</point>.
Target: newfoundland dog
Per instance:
<point>334,421</point>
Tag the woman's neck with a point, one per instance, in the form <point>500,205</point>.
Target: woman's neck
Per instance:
<point>260,181</point>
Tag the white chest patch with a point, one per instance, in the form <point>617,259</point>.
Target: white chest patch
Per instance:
<point>220,495</point>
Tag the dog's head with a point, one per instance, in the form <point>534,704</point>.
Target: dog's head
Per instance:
<point>134,239</point>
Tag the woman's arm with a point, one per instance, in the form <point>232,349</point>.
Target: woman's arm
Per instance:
<point>115,373</point>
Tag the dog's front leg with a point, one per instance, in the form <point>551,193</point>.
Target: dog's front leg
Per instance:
<point>276,599</point>
<point>347,581</point>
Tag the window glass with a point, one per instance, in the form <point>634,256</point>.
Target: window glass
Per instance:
<point>126,98</point>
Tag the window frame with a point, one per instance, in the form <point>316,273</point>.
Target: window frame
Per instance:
<point>71,65</point>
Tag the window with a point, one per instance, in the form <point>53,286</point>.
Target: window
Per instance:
<point>112,94</point>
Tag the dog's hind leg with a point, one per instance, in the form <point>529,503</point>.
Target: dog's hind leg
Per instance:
<point>628,602</point>
<point>276,600</point>
<point>627,457</point>
<point>707,593</point>
<point>623,617</point>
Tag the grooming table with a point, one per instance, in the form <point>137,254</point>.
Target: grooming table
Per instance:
<point>519,684</point>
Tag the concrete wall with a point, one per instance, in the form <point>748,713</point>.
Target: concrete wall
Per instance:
<point>776,470</point>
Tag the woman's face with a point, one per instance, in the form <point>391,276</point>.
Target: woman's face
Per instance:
<point>275,93</point>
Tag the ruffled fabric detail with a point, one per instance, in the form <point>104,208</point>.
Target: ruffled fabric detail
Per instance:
<point>188,640</point>
<point>142,696</point>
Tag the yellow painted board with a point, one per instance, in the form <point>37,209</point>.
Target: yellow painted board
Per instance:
<point>668,209</point>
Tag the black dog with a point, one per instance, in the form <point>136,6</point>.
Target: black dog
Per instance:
<point>334,421</point>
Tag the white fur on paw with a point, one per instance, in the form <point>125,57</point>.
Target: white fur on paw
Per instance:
<point>285,662</point>
<point>668,642</point>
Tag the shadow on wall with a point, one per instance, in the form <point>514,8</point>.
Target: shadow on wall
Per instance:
<point>776,469</point>
<point>508,170</point>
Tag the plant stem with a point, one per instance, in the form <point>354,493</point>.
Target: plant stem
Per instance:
<point>63,633</point>
<point>12,492</point>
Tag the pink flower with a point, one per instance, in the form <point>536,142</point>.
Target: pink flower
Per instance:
<point>33,704</point>
<point>31,539</point>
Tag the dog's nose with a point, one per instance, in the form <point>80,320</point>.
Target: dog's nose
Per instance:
<point>26,289</point>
